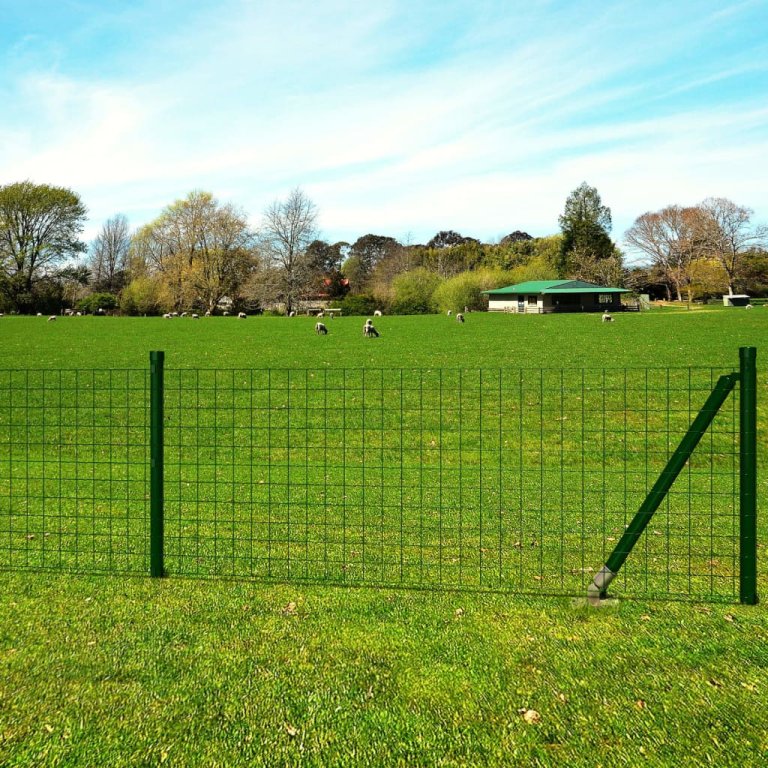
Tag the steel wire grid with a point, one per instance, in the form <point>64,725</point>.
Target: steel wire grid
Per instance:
<point>518,480</point>
<point>74,470</point>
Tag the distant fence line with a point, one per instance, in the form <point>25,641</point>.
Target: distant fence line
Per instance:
<point>522,480</point>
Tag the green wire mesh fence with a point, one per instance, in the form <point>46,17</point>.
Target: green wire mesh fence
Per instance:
<point>516,480</point>
<point>74,469</point>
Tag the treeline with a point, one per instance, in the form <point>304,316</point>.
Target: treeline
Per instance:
<point>203,255</point>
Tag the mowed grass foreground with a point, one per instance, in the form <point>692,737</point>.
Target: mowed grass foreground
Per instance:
<point>113,671</point>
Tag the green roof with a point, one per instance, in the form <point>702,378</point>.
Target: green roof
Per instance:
<point>556,287</point>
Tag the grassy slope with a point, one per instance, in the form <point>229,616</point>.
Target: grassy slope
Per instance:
<point>109,671</point>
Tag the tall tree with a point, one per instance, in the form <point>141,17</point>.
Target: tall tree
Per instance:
<point>673,239</point>
<point>109,255</point>
<point>200,249</point>
<point>40,226</point>
<point>288,228</point>
<point>365,253</point>
<point>446,239</point>
<point>585,224</point>
<point>728,234</point>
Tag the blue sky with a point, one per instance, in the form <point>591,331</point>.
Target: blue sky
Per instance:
<point>396,117</point>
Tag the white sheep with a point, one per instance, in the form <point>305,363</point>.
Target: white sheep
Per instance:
<point>39,314</point>
<point>607,317</point>
<point>208,313</point>
<point>459,317</point>
<point>749,306</point>
<point>449,312</point>
<point>167,316</point>
<point>320,314</point>
<point>51,318</point>
<point>377,313</point>
<point>242,315</point>
<point>183,314</point>
<point>369,330</point>
<point>195,316</point>
<point>291,314</point>
<point>320,329</point>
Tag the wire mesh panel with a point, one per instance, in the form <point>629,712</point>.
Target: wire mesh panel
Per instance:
<point>518,480</point>
<point>73,470</point>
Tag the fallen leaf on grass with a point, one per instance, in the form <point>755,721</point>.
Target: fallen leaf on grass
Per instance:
<point>49,728</point>
<point>531,716</point>
<point>751,687</point>
<point>715,683</point>
<point>729,617</point>
<point>459,613</point>
<point>290,609</point>
<point>562,698</point>
<point>640,704</point>
<point>645,617</point>
<point>290,730</point>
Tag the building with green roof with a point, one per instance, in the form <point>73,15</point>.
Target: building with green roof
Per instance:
<point>545,296</point>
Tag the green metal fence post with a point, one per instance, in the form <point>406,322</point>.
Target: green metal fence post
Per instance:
<point>156,525</point>
<point>748,476</point>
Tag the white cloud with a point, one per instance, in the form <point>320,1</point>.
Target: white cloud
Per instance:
<point>487,135</point>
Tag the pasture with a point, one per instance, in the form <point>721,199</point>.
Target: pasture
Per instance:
<point>238,672</point>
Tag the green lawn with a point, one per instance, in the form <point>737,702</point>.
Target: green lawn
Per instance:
<point>110,670</point>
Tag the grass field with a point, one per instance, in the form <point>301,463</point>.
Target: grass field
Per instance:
<point>114,670</point>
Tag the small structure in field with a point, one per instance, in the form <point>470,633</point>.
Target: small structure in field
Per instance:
<point>546,296</point>
<point>735,300</point>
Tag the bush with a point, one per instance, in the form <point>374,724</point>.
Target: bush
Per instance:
<point>141,296</point>
<point>466,289</point>
<point>414,291</point>
<point>358,304</point>
<point>97,301</point>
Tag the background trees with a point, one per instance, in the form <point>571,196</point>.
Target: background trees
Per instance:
<point>40,227</point>
<point>701,249</point>
<point>289,227</point>
<point>108,261</point>
<point>199,249</point>
<point>727,234</point>
<point>585,224</point>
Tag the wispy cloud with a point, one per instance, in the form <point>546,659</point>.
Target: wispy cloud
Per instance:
<point>396,118</point>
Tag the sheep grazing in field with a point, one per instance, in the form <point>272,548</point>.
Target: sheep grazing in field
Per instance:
<point>39,314</point>
<point>241,315</point>
<point>195,316</point>
<point>167,316</point>
<point>51,318</point>
<point>320,314</point>
<point>607,317</point>
<point>377,313</point>
<point>208,313</point>
<point>449,312</point>
<point>749,306</point>
<point>225,314</point>
<point>459,317</point>
<point>369,330</point>
<point>183,314</point>
<point>320,329</point>
<point>291,314</point>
